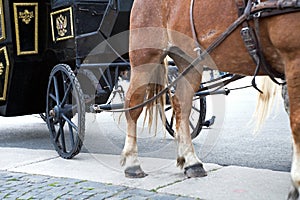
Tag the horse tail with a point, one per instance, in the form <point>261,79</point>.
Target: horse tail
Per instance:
<point>265,101</point>
<point>157,83</point>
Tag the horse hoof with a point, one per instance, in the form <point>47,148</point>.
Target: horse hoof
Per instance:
<point>293,194</point>
<point>135,172</point>
<point>196,170</point>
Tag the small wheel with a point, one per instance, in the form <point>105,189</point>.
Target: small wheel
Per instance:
<point>65,111</point>
<point>197,115</point>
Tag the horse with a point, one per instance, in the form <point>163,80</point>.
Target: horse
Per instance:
<point>184,30</point>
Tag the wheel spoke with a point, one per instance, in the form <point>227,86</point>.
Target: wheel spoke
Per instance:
<point>70,122</point>
<point>57,135</point>
<point>168,108</point>
<point>59,131</point>
<point>192,125</point>
<point>62,136</point>
<point>67,92</point>
<point>194,108</point>
<point>52,97</point>
<point>66,80</point>
<point>71,136</point>
<point>56,90</point>
<point>172,120</point>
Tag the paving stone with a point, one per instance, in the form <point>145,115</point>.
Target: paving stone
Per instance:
<point>25,186</point>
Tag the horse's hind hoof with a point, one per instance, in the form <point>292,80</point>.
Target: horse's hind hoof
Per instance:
<point>294,194</point>
<point>196,170</point>
<point>135,172</point>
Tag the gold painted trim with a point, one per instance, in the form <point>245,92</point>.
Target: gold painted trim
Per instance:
<point>3,98</point>
<point>71,24</point>
<point>2,21</point>
<point>35,51</point>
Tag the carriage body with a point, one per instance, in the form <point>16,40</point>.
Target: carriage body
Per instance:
<point>62,58</point>
<point>25,70</point>
<point>37,35</point>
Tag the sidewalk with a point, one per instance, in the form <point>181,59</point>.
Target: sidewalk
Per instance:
<point>42,174</point>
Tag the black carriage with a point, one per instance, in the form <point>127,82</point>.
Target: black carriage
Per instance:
<point>60,57</point>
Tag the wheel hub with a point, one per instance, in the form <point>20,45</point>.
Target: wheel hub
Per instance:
<point>55,112</point>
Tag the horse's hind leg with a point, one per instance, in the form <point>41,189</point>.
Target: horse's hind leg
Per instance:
<point>129,155</point>
<point>143,70</point>
<point>182,103</point>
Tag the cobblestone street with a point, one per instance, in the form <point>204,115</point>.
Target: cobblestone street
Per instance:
<point>22,186</point>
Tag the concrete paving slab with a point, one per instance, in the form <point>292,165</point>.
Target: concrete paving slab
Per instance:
<point>16,157</point>
<point>235,183</point>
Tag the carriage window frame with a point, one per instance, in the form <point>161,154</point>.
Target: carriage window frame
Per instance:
<point>18,43</point>
<point>2,21</point>
<point>70,26</point>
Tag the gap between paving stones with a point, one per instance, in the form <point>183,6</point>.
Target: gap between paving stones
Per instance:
<point>33,162</point>
<point>182,180</point>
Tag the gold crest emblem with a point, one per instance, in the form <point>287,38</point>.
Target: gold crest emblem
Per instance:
<point>61,25</point>
<point>26,16</point>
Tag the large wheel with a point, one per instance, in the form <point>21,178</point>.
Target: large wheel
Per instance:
<point>65,111</point>
<point>198,112</point>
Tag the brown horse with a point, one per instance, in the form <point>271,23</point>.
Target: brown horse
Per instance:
<point>163,27</point>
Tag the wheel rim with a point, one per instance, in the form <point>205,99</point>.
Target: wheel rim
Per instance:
<point>65,111</point>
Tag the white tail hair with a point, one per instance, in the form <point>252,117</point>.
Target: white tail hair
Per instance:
<point>265,101</point>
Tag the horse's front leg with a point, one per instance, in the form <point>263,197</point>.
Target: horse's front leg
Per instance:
<point>182,102</point>
<point>292,76</point>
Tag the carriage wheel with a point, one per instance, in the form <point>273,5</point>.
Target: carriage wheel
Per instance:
<point>197,115</point>
<point>65,111</point>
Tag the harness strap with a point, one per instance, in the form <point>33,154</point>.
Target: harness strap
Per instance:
<point>195,38</point>
<point>271,7</point>
<point>252,42</point>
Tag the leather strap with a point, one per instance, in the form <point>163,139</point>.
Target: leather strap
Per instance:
<point>252,42</point>
<point>241,5</point>
<point>195,38</point>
